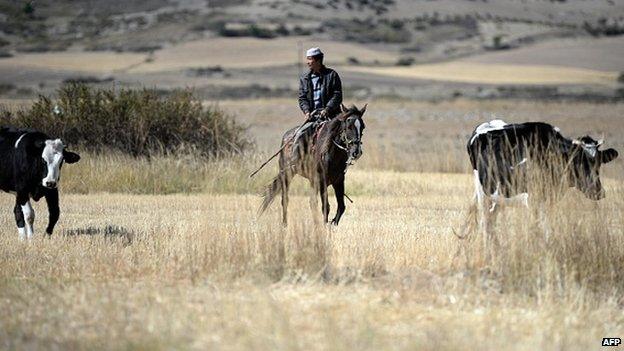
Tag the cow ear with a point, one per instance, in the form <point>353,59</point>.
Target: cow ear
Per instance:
<point>39,144</point>
<point>70,157</point>
<point>36,147</point>
<point>608,155</point>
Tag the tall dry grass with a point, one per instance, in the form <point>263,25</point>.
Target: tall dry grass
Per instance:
<point>559,242</point>
<point>202,271</point>
<point>567,249</point>
<point>419,136</point>
<point>115,172</point>
<point>197,269</point>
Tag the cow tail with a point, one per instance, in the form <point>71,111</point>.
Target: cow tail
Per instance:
<point>270,193</point>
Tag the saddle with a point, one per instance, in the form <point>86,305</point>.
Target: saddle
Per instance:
<point>315,133</point>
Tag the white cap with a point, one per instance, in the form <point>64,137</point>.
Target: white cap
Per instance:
<point>314,52</point>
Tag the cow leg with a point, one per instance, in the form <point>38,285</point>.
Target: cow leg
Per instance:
<point>482,213</point>
<point>19,217</point>
<point>481,201</point>
<point>491,237</point>
<point>488,213</point>
<point>543,221</point>
<point>24,216</point>
<point>339,190</point>
<point>29,217</point>
<point>52,199</point>
<point>478,188</point>
<point>493,216</point>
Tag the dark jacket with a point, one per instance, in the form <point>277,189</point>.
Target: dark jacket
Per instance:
<point>331,96</point>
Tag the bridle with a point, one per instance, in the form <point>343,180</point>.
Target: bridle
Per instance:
<point>346,144</point>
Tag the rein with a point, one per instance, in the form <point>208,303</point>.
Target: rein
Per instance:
<point>340,146</point>
<point>342,139</point>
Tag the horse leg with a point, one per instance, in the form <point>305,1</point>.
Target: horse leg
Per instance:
<point>324,201</point>
<point>339,190</point>
<point>312,198</point>
<point>285,183</point>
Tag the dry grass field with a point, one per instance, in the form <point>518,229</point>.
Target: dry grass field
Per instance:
<point>597,54</point>
<point>193,267</point>
<point>168,252</point>
<point>92,62</point>
<point>232,53</point>
<point>254,53</point>
<point>587,62</point>
<point>431,136</point>
<point>470,72</point>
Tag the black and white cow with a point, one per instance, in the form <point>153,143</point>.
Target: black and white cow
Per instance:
<point>30,167</point>
<point>501,154</point>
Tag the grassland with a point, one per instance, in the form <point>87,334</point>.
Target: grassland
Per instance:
<point>197,269</point>
<point>597,54</point>
<point>254,53</point>
<point>232,53</point>
<point>91,62</point>
<point>273,64</point>
<point>497,73</point>
<point>203,272</point>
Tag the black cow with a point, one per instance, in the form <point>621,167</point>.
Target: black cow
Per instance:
<point>30,166</point>
<point>501,155</point>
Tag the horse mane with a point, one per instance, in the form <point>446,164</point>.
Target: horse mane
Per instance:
<point>332,128</point>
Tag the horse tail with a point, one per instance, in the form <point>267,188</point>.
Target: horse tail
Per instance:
<point>270,193</point>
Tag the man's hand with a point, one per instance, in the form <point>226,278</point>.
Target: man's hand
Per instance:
<point>323,114</point>
<point>307,115</point>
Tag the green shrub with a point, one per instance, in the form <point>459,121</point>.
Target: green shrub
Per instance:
<point>226,3</point>
<point>137,122</point>
<point>353,60</point>
<point>405,61</point>
<point>29,9</point>
<point>297,30</point>
<point>368,31</point>
<point>251,30</point>
<point>6,87</point>
<point>261,32</point>
<point>282,30</point>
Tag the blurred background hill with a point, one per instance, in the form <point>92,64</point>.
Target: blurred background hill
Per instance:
<point>566,49</point>
<point>159,245</point>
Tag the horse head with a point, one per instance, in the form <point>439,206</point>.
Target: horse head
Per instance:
<point>351,131</point>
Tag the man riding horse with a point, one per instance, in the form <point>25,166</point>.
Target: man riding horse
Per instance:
<point>320,91</point>
<point>324,146</point>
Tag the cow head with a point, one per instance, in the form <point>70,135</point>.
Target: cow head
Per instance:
<point>54,155</point>
<point>585,166</point>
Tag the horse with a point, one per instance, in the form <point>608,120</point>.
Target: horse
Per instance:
<point>333,147</point>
